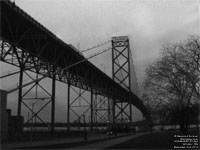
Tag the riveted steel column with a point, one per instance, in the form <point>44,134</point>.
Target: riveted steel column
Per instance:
<point>108,109</point>
<point>129,70</point>
<point>53,102</point>
<point>20,91</point>
<point>113,109</point>
<point>91,119</point>
<point>68,108</point>
<point>130,107</point>
<point>113,77</point>
<point>21,65</point>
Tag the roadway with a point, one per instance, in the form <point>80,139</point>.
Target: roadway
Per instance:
<point>97,141</point>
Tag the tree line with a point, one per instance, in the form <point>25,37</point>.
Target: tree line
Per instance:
<point>172,84</point>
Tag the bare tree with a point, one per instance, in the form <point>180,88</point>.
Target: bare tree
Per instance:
<point>191,62</point>
<point>175,77</point>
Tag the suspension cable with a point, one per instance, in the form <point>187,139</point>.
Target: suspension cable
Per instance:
<point>95,46</point>
<point>65,68</point>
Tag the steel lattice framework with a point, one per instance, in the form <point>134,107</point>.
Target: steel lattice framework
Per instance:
<point>121,73</point>
<point>27,44</point>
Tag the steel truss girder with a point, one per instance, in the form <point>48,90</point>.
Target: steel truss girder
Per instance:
<point>12,55</point>
<point>17,57</point>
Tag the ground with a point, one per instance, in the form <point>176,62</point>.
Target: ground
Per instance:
<point>162,140</point>
<point>140,140</point>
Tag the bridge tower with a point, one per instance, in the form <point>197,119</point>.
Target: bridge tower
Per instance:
<point>121,73</point>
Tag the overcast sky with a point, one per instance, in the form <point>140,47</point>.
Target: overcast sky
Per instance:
<point>148,23</point>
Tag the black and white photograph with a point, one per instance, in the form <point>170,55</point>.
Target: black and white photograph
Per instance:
<point>100,74</point>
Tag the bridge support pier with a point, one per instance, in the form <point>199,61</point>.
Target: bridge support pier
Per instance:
<point>19,123</point>
<point>68,107</point>
<point>53,102</point>
<point>109,109</point>
<point>121,72</point>
<point>113,111</point>
<point>91,107</point>
<point>130,108</point>
<point>20,92</point>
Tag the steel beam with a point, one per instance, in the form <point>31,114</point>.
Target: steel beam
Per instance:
<point>109,109</point>
<point>21,64</point>
<point>68,107</point>
<point>113,110</point>
<point>20,92</point>
<point>53,103</point>
<point>129,69</point>
<point>91,107</point>
<point>130,108</point>
<point>10,74</point>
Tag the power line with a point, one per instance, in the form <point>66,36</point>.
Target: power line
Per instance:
<point>65,68</point>
<point>95,46</point>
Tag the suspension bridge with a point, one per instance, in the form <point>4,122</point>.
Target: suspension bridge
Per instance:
<point>39,54</point>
